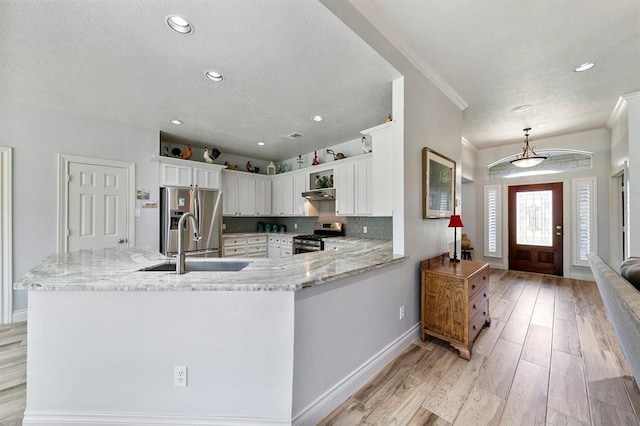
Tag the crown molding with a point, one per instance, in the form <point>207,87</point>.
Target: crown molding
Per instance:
<point>468,144</point>
<point>631,96</point>
<point>373,15</point>
<point>621,105</point>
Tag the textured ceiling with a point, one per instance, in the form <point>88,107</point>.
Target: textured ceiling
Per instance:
<point>283,62</point>
<point>287,60</point>
<point>492,56</point>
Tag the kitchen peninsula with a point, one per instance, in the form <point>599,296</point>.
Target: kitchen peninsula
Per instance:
<point>105,337</point>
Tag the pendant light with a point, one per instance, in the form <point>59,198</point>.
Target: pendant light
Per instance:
<point>528,158</point>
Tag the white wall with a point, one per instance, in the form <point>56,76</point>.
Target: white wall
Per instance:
<point>596,141</point>
<point>37,136</point>
<point>634,172</point>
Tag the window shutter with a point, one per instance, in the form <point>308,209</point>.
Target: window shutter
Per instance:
<point>585,220</point>
<point>492,223</point>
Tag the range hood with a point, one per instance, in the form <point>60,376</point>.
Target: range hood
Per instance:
<point>324,194</point>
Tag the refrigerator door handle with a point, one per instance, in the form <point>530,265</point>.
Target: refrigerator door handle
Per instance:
<point>198,217</point>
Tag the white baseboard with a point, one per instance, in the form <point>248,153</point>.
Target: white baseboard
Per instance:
<point>582,276</point>
<point>19,316</point>
<point>327,402</point>
<point>51,418</point>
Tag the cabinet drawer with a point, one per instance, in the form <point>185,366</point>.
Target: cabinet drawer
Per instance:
<point>256,248</point>
<point>231,242</point>
<point>478,281</point>
<point>477,321</point>
<point>480,303</point>
<point>257,239</point>
<point>234,251</point>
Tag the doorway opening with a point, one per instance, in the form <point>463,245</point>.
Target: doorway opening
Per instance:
<point>536,228</point>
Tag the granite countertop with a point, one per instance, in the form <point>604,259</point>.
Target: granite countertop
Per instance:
<point>253,234</point>
<point>119,270</point>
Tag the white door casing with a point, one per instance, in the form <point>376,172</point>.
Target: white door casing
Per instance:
<point>96,201</point>
<point>6,238</point>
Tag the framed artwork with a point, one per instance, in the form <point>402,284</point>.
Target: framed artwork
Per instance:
<point>438,185</point>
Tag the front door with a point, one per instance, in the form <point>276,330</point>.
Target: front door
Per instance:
<point>535,228</point>
<point>97,206</point>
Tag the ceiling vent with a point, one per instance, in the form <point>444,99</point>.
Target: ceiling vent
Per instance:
<point>293,136</point>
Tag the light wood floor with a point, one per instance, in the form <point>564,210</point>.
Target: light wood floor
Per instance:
<point>550,357</point>
<point>13,373</point>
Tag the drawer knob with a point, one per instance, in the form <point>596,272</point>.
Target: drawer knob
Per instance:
<point>484,314</point>
<point>474,328</point>
<point>484,278</point>
<point>485,295</point>
<point>473,286</point>
<point>474,307</point>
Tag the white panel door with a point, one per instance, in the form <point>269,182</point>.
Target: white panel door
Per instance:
<point>97,209</point>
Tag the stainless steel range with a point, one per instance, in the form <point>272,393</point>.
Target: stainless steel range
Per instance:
<point>314,242</point>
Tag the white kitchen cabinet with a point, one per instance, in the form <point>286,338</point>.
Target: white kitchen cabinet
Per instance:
<point>363,187</point>
<point>382,153</point>
<point>185,173</point>
<point>244,194</point>
<point>273,251</point>
<point>287,190</point>
<point>344,183</point>
<point>263,196</point>
<point>247,246</point>
<point>286,246</point>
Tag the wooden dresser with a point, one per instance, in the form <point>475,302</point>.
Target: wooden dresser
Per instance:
<point>454,300</point>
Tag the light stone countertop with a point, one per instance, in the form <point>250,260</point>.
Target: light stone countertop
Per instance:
<point>119,270</point>
<point>253,234</point>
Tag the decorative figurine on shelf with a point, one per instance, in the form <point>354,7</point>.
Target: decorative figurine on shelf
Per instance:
<point>366,147</point>
<point>250,167</point>
<point>176,152</point>
<point>187,154</point>
<point>165,151</point>
<point>209,157</point>
<point>315,161</point>
<point>299,161</point>
<point>389,119</point>
<point>231,166</point>
<point>466,242</point>
<point>271,168</point>
<point>338,156</point>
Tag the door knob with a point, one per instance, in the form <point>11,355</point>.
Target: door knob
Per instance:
<point>122,240</point>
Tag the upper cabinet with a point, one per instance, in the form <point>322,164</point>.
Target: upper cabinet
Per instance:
<point>245,194</point>
<point>382,168</point>
<point>185,173</point>
<point>287,192</point>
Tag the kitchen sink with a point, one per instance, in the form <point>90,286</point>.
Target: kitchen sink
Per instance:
<point>200,266</point>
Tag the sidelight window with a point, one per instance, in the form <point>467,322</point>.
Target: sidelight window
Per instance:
<point>585,236</point>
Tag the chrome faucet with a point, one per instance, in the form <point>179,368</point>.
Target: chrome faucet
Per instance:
<point>196,237</point>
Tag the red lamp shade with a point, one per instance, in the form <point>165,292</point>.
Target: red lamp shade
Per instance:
<point>455,221</point>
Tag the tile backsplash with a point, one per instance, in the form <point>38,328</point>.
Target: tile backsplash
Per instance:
<point>380,228</point>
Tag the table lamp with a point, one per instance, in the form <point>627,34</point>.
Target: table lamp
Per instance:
<point>455,222</point>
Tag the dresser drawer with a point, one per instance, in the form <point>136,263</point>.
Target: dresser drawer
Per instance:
<point>480,298</point>
<point>477,321</point>
<point>478,281</point>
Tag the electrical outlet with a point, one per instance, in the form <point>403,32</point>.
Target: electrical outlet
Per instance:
<point>364,229</point>
<point>137,212</point>
<point>295,226</point>
<point>224,226</point>
<point>402,312</point>
<point>180,376</point>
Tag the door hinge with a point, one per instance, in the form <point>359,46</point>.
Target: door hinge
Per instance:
<point>67,232</point>
<point>68,178</point>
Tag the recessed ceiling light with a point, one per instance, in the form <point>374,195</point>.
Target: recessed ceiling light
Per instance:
<point>317,118</point>
<point>522,108</point>
<point>261,143</point>
<point>179,24</point>
<point>176,122</point>
<point>212,75</point>
<point>584,67</point>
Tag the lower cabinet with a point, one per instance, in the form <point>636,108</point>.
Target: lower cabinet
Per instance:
<point>454,301</point>
<point>280,246</point>
<point>249,246</point>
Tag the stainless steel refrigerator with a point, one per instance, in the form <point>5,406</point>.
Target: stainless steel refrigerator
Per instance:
<point>206,206</point>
